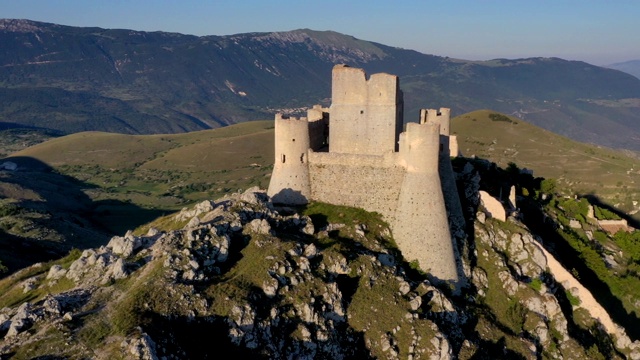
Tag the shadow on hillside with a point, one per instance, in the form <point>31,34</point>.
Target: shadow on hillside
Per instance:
<point>595,200</point>
<point>44,214</point>
<point>535,219</point>
<point>186,335</point>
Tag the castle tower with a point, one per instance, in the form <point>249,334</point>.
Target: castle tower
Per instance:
<point>442,117</point>
<point>366,115</point>
<point>421,227</point>
<point>290,177</point>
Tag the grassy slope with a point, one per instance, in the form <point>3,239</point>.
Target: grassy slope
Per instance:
<point>158,170</point>
<point>585,168</point>
<point>77,190</point>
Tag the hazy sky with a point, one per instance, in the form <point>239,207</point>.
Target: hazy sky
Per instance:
<point>597,31</point>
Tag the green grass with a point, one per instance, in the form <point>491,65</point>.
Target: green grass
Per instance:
<point>579,167</point>
<point>164,172</point>
<point>573,300</point>
<point>11,293</point>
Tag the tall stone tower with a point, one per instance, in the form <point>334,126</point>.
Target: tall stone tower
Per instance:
<point>366,114</point>
<point>290,178</point>
<point>421,226</point>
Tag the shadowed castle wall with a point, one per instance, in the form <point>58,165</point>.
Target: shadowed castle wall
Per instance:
<point>318,118</point>
<point>442,117</point>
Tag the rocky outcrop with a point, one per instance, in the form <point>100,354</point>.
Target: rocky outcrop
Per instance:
<point>493,207</point>
<point>270,283</point>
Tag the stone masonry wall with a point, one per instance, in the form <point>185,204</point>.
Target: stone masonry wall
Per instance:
<point>368,182</point>
<point>364,112</point>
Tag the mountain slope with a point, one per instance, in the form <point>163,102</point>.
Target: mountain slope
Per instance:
<point>630,67</point>
<point>581,168</point>
<point>327,283</point>
<point>74,79</point>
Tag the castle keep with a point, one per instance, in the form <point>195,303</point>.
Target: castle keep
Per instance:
<point>355,154</point>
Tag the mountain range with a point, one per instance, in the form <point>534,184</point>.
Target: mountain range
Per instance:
<point>631,67</point>
<point>74,79</point>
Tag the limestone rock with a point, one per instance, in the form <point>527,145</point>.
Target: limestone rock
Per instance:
<point>56,272</point>
<point>9,165</point>
<point>124,245</point>
<point>259,226</point>
<point>143,347</point>
<point>493,207</point>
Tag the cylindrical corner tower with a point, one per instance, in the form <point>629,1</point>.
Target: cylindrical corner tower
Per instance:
<point>421,227</point>
<point>290,178</point>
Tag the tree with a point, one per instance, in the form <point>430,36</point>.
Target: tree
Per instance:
<point>548,186</point>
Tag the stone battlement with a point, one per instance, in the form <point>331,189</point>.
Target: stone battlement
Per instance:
<point>356,154</point>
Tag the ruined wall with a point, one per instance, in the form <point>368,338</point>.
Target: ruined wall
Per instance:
<point>290,177</point>
<point>368,182</point>
<point>318,118</point>
<point>454,149</point>
<point>365,114</point>
<point>613,226</point>
<point>494,208</point>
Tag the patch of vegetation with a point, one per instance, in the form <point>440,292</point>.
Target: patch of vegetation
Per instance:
<point>573,300</point>
<point>536,284</point>
<point>12,293</point>
<point>500,117</point>
<point>604,214</point>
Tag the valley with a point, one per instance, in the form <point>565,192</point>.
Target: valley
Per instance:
<point>119,82</point>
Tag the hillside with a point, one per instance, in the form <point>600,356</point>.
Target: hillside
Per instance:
<point>91,79</point>
<point>320,282</point>
<point>143,177</point>
<point>313,282</point>
<point>630,67</point>
<point>580,168</point>
<point>78,190</point>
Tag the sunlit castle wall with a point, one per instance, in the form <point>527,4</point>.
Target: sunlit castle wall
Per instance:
<point>290,177</point>
<point>366,114</point>
<point>421,226</point>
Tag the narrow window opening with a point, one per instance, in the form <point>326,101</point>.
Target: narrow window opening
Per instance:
<point>294,140</point>
<point>361,111</point>
<point>302,158</point>
<point>283,158</point>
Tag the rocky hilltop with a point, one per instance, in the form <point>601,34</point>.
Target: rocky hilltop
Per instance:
<point>320,282</point>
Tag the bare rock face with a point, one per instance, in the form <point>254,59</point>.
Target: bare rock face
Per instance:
<point>124,246</point>
<point>259,226</point>
<point>494,208</point>
<point>141,347</point>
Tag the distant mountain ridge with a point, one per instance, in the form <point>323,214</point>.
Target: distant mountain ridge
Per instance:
<point>630,67</point>
<point>76,79</point>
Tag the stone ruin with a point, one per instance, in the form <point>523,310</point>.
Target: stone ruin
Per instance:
<point>356,154</point>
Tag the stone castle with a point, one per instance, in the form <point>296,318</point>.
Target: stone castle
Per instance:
<point>355,154</point>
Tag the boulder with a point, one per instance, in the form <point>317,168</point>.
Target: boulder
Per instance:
<point>493,207</point>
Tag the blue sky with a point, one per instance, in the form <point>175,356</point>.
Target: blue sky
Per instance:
<point>599,32</point>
